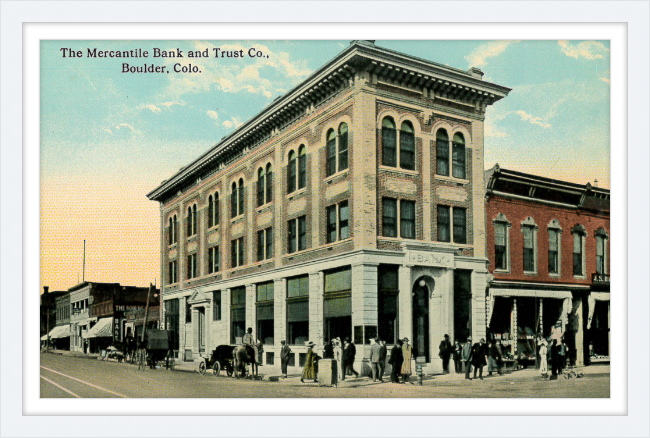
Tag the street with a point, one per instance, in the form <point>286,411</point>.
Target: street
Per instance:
<point>65,376</point>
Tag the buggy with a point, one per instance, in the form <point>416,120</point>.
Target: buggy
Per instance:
<point>220,359</point>
<point>157,350</point>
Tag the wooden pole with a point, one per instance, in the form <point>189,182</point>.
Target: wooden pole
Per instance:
<point>146,314</point>
<point>83,278</point>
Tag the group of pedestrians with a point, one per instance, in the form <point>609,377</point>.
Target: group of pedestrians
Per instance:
<point>553,357</point>
<point>476,356</point>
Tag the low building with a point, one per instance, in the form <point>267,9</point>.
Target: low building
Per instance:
<point>548,246</point>
<point>60,334</point>
<point>80,320</point>
<point>48,310</point>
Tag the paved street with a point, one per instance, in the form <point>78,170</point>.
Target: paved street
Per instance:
<point>65,376</point>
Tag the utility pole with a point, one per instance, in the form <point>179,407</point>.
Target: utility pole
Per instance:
<point>146,313</point>
<point>83,278</point>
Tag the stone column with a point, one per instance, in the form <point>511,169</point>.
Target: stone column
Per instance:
<point>316,288</point>
<point>195,332</point>
<point>579,333</point>
<point>405,303</point>
<point>251,316</point>
<point>225,314</point>
<point>479,318</point>
<point>364,306</point>
<point>279,315</point>
<point>208,326</point>
<point>182,335</point>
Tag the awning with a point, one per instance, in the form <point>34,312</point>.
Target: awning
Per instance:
<point>103,329</point>
<point>60,331</point>
<point>535,293</point>
<point>591,303</point>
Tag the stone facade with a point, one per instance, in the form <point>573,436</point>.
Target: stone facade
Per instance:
<point>357,90</point>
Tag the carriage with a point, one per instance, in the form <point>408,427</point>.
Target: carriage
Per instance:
<point>157,350</point>
<point>220,359</point>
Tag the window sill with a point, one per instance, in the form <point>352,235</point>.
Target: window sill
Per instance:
<point>213,228</point>
<point>296,193</point>
<point>580,277</point>
<point>192,238</point>
<point>172,246</point>
<point>336,175</point>
<point>555,275</point>
<point>502,271</point>
<point>452,179</point>
<point>237,218</point>
<point>530,273</point>
<point>399,170</point>
<point>261,208</point>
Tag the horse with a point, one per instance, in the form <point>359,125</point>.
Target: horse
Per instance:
<point>242,356</point>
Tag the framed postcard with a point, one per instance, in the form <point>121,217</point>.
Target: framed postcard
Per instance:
<point>296,220</point>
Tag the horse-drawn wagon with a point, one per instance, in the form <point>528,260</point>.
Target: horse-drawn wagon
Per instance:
<point>220,359</point>
<point>157,350</point>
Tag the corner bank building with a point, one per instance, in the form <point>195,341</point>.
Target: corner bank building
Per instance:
<point>352,206</point>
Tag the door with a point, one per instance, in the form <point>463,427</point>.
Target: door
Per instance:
<point>421,321</point>
<point>201,329</point>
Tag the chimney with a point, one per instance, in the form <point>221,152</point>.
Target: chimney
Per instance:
<point>596,183</point>
<point>46,289</point>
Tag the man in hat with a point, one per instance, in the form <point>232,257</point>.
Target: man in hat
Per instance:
<point>479,358</point>
<point>349,352</point>
<point>375,353</point>
<point>466,357</point>
<point>285,354</point>
<point>407,353</point>
<point>249,341</point>
<point>396,360</point>
<point>382,359</point>
<point>444,353</point>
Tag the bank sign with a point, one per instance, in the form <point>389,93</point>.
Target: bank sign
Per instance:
<point>422,258</point>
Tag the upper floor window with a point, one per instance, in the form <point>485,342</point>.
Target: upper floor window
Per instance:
<point>237,198</point>
<point>529,229</point>
<point>297,170</point>
<point>216,305</point>
<point>460,225</point>
<point>407,146</point>
<point>458,156</point>
<point>444,222</point>
<point>191,220</point>
<point>501,242</point>
<point>213,260</point>
<point>388,142</point>
<point>265,244</point>
<point>173,229</point>
<point>297,236</point>
<point>264,185</point>
<point>191,266</point>
<point>448,222</point>
<point>336,153</point>
<point>237,252</point>
<point>407,219</point>
<point>554,246</point>
<point>601,251</point>
<point>338,228</point>
<point>213,210</point>
<point>269,182</point>
<point>173,272</point>
<point>442,152</point>
<point>579,234</point>
<point>389,217</point>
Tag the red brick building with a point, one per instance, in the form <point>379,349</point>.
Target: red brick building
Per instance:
<point>548,246</point>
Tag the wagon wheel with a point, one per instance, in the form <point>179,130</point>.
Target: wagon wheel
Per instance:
<point>202,367</point>
<point>230,369</point>
<point>216,368</point>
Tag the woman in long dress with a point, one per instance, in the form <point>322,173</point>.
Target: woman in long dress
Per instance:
<point>338,356</point>
<point>543,358</point>
<point>407,352</point>
<point>309,371</point>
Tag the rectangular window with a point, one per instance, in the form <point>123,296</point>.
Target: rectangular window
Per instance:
<point>173,272</point>
<point>577,254</point>
<point>343,151</point>
<point>213,260</point>
<point>191,266</point>
<point>407,219</point>
<point>240,247</point>
<point>389,217</point>
<point>600,255</point>
<point>291,175</point>
<point>260,191</point>
<point>444,223</point>
<point>344,217</point>
<point>188,312</point>
<point>302,170</point>
<point>302,233</point>
<point>298,286</point>
<point>298,310</point>
<point>237,314</point>
<point>553,265</point>
<point>529,249</point>
<point>216,305</point>
<point>260,245</point>
<point>240,192</point>
<point>264,314</point>
<point>458,158</point>
<point>265,291</point>
<point>442,157</point>
<point>331,156</point>
<point>407,150</point>
<point>269,185</point>
<point>389,149</point>
<point>233,202</point>
<point>460,225</point>
<point>388,301</point>
<point>237,252</point>
<point>500,254</point>
<point>331,224</point>
<point>269,243</point>
<point>292,236</point>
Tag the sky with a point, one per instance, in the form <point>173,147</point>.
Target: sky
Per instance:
<point>108,137</point>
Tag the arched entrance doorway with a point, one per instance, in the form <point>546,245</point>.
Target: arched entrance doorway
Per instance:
<point>421,293</point>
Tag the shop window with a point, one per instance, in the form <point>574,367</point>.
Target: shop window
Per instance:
<point>298,310</point>
<point>172,321</point>
<point>213,210</point>
<point>458,156</point>
<point>442,153</point>
<point>389,142</point>
<point>407,219</point>
<point>389,217</point>
<point>237,252</point>
<point>337,303</point>
<point>213,260</point>
<point>501,243</point>
<point>601,251</point>
<point>529,230</point>
<point>264,314</point>
<point>407,147</point>
<point>237,314</point>
<point>460,225</point>
<point>462,304</point>
<point>579,234</point>
<point>216,305</point>
<point>444,223</point>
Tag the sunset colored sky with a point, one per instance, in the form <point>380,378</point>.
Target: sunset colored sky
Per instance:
<point>108,138</point>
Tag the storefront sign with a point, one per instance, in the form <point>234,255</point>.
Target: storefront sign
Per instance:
<point>124,308</point>
<point>430,259</point>
<point>601,279</point>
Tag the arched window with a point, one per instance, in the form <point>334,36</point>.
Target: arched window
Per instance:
<point>458,157</point>
<point>191,220</point>
<point>407,147</point>
<point>240,195</point>
<point>269,182</point>
<point>291,173</point>
<point>302,167</point>
<point>389,142</point>
<point>343,146</point>
<point>261,184</point>
<point>331,153</point>
<point>233,200</point>
<point>442,153</point>
<point>195,219</point>
<point>210,211</point>
<point>213,210</point>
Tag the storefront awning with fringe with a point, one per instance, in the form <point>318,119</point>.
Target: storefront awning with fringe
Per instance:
<point>103,329</point>
<point>591,302</point>
<point>556,294</point>
<point>60,331</point>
